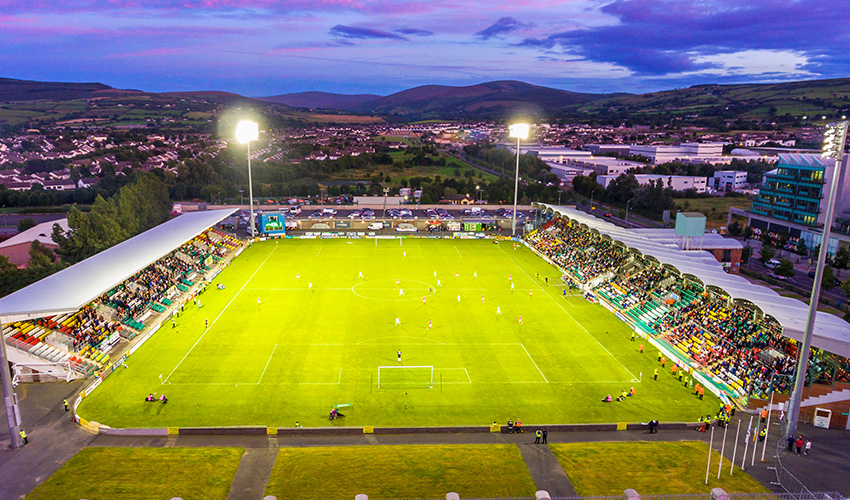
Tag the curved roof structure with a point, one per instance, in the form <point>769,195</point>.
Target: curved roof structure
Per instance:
<point>831,332</point>
<point>72,288</point>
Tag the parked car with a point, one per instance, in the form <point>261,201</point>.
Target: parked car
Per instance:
<point>376,226</point>
<point>406,227</point>
<point>776,276</point>
<point>317,214</point>
<point>772,264</point>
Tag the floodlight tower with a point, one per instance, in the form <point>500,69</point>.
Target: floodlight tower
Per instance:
<point>520,131</point>
<point>833,147</point>
<point>247,131</point>
<point>13,412</point>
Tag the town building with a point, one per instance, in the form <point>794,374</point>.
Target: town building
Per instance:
<point>729,180</point>
<point>676,182</point>
<point>688,150</point>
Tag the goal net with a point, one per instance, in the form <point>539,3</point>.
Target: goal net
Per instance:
<point>405,377</point>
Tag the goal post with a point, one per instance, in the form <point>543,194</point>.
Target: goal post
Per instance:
<point>405,377</point>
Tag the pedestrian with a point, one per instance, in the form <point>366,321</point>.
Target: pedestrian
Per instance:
<point>359,275</point>
<point>65,402</point>
<point>172,323</point>
<point>520,320</point>
<point>764,415</point>
<point>397,322</point>
<point>655,375</point>
<point>655,426</point>
<point>633,336</point>
<point>538,435</point>
<point>438,283</point>
<point>498,311</point>
<point>512,286</point>
<point>23,435</point>
<point>547,279</point>
<point>641,348</point>
<point>659,356</point>
<point>545,436</point>
<point>206,323</point>
<point>297,424</point>
<point>310,286</point>
<point>701,392</point>
<point>510,426</point>
<point>475,274</point>
<point>808,446</point>
<point>399,355</point>
<point>458,298</point>
<point>762,434</point>
<point>400,292</point>
<point>429,324</point>
<point>423,300</point>
<point>799,444</point>
<point>663,362</point>
<point>791,441</point>
<point>482,298</point>
<point>530,292</point>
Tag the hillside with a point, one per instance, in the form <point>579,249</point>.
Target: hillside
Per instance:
<point>763,101</point>
<point>29,90</point>
<point>485,99</point>
<point>320,100</point>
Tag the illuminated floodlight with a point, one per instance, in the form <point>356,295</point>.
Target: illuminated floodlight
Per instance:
<point>247,131</point>
<point>833,140</point>
<point>519,130</point>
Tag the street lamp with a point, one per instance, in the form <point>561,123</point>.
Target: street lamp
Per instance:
<point>247,131</point>
<point>520,131</point>
<point>241,201</point>
<point>626,221</point>
<point>833,147</point>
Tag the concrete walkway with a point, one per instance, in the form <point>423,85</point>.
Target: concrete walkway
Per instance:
<point>546,471</point>
<point>253,474</point>
<point>54,440</point>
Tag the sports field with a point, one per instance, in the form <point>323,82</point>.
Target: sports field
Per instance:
<point>297,331</point>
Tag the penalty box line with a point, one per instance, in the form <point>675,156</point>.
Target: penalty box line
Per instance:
<point>219,315</point>
<point>634,377</point>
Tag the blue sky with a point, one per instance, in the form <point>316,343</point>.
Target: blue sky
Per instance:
<point>265,47</point>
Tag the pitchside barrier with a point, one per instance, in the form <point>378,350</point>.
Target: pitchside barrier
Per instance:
<point>713,384</point>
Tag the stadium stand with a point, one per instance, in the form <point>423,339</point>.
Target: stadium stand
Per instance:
<point>733,341</point>
<point>83,337</point>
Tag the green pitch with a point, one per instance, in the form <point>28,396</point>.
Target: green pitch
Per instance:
<point>297,331</point>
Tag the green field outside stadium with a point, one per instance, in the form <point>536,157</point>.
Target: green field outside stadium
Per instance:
<point>297,331</point>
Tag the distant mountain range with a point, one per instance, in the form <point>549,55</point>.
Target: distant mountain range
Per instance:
<point>713,104</point>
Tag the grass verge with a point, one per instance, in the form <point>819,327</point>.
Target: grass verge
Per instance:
<point>651,468</point>
<point>404,471</point>
<point>143,473</point>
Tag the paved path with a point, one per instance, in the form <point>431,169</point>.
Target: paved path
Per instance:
<point>54,440</point>
<point>253,474</point>
<point>546,471</point>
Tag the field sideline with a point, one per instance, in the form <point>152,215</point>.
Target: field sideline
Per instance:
<point>296,331</point>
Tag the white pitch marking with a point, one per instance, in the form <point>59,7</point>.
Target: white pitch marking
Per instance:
<point>320,251</point>
<point>339,380</point>
<point>458,252</point>
<point>535,363</point>
<point>219,315</point>
<point>267,364</point>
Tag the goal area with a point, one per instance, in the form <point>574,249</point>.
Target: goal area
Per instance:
<point>405,377</point>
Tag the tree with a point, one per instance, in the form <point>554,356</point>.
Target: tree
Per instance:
<point>828,282</point>
<point>846,287</point>
<point>767,253</point>
<point>746,253</point>
<point>26,223</point>
<point>842,258</point>
<point>734,228</point>
<point>786,268</point>
<point>748,232</point>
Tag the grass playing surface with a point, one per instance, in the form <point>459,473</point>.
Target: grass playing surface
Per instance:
<point>402,471</point>
<point>281,349</point>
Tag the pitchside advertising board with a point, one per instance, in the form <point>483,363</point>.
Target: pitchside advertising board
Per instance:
<point>272,224</point>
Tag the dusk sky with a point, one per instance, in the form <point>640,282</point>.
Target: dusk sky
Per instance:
<point>264,47</point>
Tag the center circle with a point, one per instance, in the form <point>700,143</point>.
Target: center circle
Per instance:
<point>389,289</point>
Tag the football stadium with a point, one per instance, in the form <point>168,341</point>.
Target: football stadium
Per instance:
<point>576,325</point>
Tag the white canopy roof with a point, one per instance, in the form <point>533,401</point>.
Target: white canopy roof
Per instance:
<point>72,288</point>
<point>831,332</point>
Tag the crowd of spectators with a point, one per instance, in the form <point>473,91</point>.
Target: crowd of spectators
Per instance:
<point>727,339</point>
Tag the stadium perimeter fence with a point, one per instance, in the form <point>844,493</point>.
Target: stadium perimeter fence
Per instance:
<point>807,495</point>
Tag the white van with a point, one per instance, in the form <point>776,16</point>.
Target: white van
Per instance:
<point>376,226</point>
<point>772,264</point>
<point>295,210</point>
